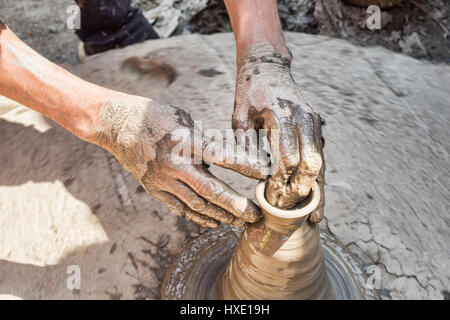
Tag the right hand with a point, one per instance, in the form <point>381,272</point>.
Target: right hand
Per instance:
<point>268,98</point>
<point>140,133</point>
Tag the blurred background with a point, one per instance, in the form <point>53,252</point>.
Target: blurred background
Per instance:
<point>417,28</point>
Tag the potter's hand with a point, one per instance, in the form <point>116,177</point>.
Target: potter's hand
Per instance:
<point>155,143</point>
<point>268,98</point>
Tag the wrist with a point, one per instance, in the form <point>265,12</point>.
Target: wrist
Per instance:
<point>121,119</point>
<point>255,22</point>
<point>246,47</point>
<point>265,52</point>
<point>89,123</point>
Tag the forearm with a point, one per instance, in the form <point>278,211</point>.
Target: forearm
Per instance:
<point>256,22</point>
<point>32,80</point>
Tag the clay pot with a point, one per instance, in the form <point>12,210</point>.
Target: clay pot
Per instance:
<point>279,257</point>
<point>383,4</point>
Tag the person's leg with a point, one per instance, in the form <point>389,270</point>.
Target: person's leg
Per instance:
<point>109,24</point>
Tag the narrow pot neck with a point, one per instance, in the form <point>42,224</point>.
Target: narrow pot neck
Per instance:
<point>279,257</point>
<point>287,221</point>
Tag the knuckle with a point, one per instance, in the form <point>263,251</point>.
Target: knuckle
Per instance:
<point>291,161</point>
<point>238,124</point>
<point>198,205</point>
<point>228,218</point>
<point>312,164</point>
<point>311,172</point>
<point>267,115</point>
<point>209,187</point>
<point>239,223</point>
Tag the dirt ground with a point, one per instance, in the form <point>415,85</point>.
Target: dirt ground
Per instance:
<point>42,25</point>
<point>416,28</point>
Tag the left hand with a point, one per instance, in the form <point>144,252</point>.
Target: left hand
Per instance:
<point>268,98</point>
<point>158,145</point>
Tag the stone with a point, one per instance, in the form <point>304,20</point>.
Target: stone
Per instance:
<point>164,18</point>
<point>169,15</point>
<point>412,44</point>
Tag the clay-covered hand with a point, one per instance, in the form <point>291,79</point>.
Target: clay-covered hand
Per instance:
<point>268,98</point>
<point>157,145</point>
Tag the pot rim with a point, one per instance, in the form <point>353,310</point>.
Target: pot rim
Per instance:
<point>304,208</point>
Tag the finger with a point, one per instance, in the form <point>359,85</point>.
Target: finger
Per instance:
<point>240,154</point>
<point>240,127</point>
<point>226,154</point>
<point>285,148</point>
<point>311,158</point>
<point>240,123</point>
<point>217,192</point>
<point>200,205</point>
<point>182,210</point>
<point>318,214</point>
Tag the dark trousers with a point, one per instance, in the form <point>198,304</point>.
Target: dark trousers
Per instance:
<point>108,24</point>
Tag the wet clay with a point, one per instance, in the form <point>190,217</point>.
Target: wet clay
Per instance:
<point>280,257</point>
<point>199,268</point>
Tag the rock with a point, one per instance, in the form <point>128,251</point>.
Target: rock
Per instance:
<point>342,18</point>
<point>164,18</point>
<point>189,9</point>
<point>411,45</point>
<point>211,20</point>
<point>297,15</point>
<point>169,15</point>
<point>383,4</point>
